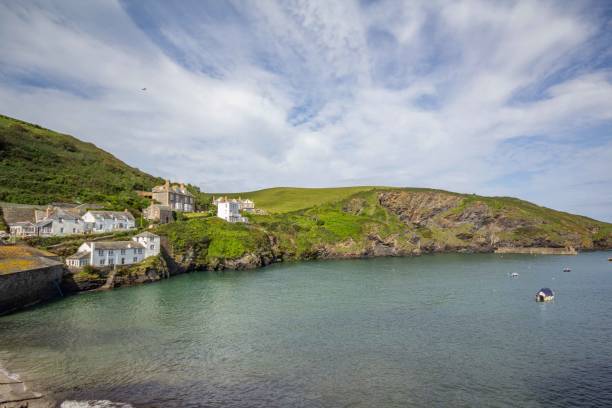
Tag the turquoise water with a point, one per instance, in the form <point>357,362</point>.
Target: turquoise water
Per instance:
<point>443,330</point>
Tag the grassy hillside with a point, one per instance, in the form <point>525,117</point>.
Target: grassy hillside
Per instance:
<point>379,222</point>
<point>286,199</point>
<point>39,166</point>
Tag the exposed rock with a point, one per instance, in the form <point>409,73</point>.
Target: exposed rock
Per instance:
<point>417,207</point>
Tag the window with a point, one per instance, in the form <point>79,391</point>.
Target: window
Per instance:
<point>111,252</point>
<point>74,230</point>
<point>123,252</point>
<point>122,261</point>
<point>61,220</point>
<point>140,250</point>
<point>101,261</point>
<point>62,230</point>
<point>135,259</point>
<point>100,252</point>
<point>111,261</point>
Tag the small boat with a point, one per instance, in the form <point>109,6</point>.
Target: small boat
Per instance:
<point>610,259</point>
<point>567,269</point>
<point>514,275</point>
<point>545,295</point>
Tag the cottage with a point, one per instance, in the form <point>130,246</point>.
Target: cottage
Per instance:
<point>175,197</point>
<point>32,221</point>
<point>229,210</point>
<point>111,253</point>
<point>108,221</point>
<point>158,213</point>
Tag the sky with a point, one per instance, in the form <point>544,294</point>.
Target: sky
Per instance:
<point>494,98</point>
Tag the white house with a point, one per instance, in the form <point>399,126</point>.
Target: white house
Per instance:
<point>111,253</point>
<point>49,222</point>
<point>229,210</point>
<point>109,221</point>
<point>151,243</point>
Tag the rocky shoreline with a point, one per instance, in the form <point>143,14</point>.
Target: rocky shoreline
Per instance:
<point>15,393</point>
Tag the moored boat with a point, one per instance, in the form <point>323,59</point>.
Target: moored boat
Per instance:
<point>545,295</point>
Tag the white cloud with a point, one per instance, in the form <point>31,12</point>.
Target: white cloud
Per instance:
<point>323,93</point>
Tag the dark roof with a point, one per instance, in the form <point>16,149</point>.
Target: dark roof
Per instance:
<point>146,234</point>
<point>79,255</point>
<point>117,245</point>
<point>546,291</point>
<point>18,214</point>
<point>112,214</point>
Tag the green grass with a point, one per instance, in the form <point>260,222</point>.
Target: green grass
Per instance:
<point>213,238</point>
<point>287,199</point>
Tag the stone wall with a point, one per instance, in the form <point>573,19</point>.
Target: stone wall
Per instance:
<point>25,288</point>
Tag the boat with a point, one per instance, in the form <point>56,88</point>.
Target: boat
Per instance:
<point>610,259</point>
<point>514,275</point>
<point>567,269</point>
<point>545,295</point>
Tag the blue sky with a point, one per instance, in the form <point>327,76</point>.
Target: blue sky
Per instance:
<point>497,98</point>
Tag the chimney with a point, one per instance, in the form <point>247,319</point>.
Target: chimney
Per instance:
<point>48,214</point>
<point>182,186</point>
<point>167,185</point>
<point>126,210</point>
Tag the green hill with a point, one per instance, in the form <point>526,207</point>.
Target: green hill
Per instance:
<point>39,166</point>
<point>285,199</point>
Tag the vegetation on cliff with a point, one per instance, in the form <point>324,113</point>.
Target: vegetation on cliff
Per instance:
<point>380,222</point>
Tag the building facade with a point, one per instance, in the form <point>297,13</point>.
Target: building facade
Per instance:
<point>108,221</point>
<point>175,197</point>
<point>52,221</point>
<point>158,213</point>
<point>115,253</point>
<point>229,210</point>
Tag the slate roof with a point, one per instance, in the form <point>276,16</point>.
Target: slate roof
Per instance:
<point>112,214</point>
<point>79,255</point>
<point>117,245</point>
<point>146,234</point>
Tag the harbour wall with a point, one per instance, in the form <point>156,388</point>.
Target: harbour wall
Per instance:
<point>536,251</point>
<point>28,287</point>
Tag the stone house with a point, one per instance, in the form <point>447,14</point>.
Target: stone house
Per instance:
<point>158,213</point>
<point>173,196</point>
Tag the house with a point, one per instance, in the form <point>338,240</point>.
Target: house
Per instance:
<point>111,253</point>
<point>173,196</point>
<point>244,204</point>
<point>58,221</point>
<point>229,210</point>
<point>158,213</point>
<point>108,221</point>
<point>52,221</point>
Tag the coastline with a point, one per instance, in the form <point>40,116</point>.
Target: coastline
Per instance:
<point>16,393</point>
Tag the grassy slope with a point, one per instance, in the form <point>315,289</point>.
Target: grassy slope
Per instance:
<point>333,221</point>
<point>38,166</point>
<point>286,199</point>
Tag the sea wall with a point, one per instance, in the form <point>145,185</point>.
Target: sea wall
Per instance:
<point>536,251</point>
<point>28,287</point>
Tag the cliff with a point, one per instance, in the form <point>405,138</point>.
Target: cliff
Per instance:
<point>382,222</point>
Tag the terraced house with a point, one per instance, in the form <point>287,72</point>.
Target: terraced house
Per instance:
<point>108,221</point>
<point>52,221</point>
<point>173,196</point>
<point>115,253</point>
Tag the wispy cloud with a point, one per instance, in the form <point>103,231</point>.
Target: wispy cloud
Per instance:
<point>508,98</point>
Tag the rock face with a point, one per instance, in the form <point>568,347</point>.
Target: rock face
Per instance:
<point>417,208</point>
